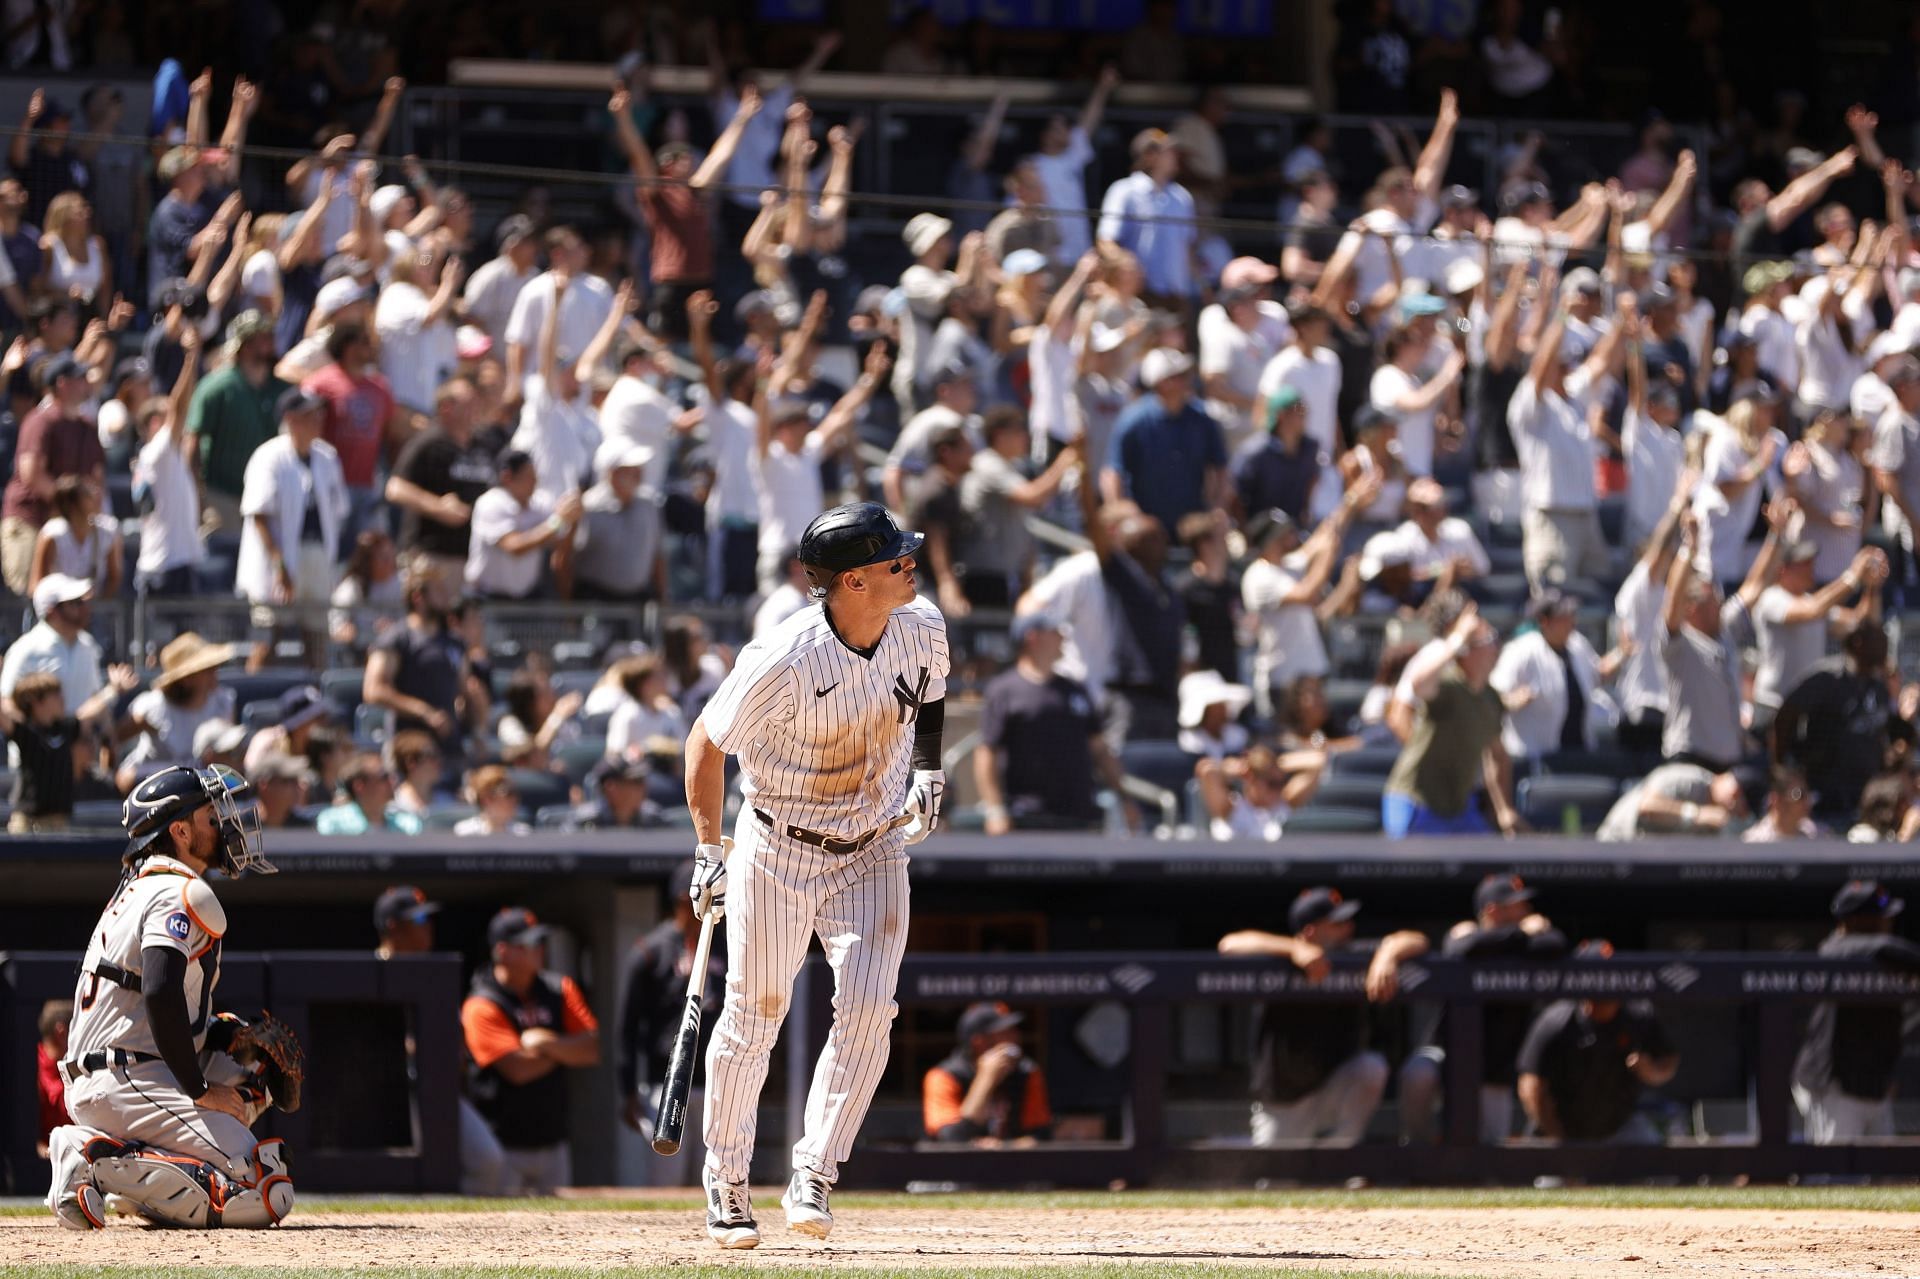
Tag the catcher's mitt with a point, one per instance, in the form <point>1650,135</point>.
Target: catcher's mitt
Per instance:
<point>269,1048</point>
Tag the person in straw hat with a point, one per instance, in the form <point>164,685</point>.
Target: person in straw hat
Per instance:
<point>185,695</point>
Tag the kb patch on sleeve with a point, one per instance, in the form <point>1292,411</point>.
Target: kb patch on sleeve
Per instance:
<point>179,925</point>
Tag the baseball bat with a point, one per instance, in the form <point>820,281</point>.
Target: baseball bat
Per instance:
<point>672,1121</point>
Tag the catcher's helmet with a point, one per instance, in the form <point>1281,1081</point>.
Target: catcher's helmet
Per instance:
<point>174,794</point>
<point>853,536</point>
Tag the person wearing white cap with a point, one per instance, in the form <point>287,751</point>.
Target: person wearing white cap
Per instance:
<point>926,287</point>
<point>295,509</point>
<point>59,642</point>
<point>416,327</point>
<point>616,553</point>
<point>1239,334</point>
<point>1166,453</point>
<point>787,452</point>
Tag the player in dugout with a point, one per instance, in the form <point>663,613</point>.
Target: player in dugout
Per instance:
<point>988,1092</point>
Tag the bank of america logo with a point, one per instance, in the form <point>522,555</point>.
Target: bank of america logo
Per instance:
<point>1412,978</point>
<point>1679,976</point>
<point>1132,978</point>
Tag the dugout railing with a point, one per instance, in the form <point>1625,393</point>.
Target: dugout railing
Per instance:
<point>380,1106</point>
<point>1151,986</point>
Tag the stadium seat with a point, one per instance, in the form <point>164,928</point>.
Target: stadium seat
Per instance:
<point>577,758</point>
<point>1332,821</point>
<point>553,817</point>
<point>344,688</point>
<point>446,818</point>
<point>1501,588</point>
<point>263,686</point>
<point>1344,698</point>
<point>539,790</point>
<point>596,725</point>
<point>1367,761</point>
<point>369,726</point>
<point>1545,801</point>
<point>1162,763</point>
<point>1356,790</point>
<point>1605,762</point>
<point>97,814</point>
<point>259,715</point>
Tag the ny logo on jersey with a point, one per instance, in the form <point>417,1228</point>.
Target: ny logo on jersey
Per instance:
<point>910,696</point>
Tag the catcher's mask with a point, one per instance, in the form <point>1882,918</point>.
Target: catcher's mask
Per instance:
<point>236,812</point>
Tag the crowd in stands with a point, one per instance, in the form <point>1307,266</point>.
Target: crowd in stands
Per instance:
<point>1453,511</point>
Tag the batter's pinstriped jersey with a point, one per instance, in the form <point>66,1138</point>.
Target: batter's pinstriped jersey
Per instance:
<point>824,733</point>
<point>166,905</point>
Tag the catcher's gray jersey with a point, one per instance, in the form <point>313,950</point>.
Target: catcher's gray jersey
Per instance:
<point>164,904</point>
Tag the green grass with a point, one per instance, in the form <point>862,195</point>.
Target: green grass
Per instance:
<point>1763,1198</point>
<point>1109,1271</point>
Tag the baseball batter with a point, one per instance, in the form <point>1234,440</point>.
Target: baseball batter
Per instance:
<point>161,1117</point>
<point>836,717</point>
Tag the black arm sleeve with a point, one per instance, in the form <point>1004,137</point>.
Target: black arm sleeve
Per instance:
<point>926,734</point>
<point>163,986</point>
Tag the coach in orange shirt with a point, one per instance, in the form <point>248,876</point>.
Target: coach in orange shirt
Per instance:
<point>524,1028</point>
<point>988,1092</point>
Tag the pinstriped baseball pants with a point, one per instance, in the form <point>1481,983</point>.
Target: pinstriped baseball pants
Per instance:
<point>780,894</point>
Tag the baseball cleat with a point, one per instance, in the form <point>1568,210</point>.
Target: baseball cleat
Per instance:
<point>82,1210</point>
<point>806,1205</point>
<point>730,1220</point>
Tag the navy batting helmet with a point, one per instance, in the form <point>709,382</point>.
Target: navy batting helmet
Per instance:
<point>853,536</point>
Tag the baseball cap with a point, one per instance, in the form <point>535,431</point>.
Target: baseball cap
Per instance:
<point>516,926</point>
<point>246,326</point>
<point>1582,279</point>
<point>471,342</point>
<point>1414,305</point>
<point>1319,905</point>
<point>1381,552</point>
<point>1594,948</point>
<point>1800,159</point>
<point>1285,398</point>
<point>1518,197</point>
<point>1657,295</point>
<point>1023,262</point>
<point>986,1018</point>
<point>1108,337</point>
<point>873,298</point>
<point>512,229</point>
<point>1367,417</point>
<point>1462,276</point>
<point>924,230</point>
<point>128,369</point>
<point>1207,687</point>
<point>302,706</point>
<point>217,737</point>
<point>403,902</point>
<point>1865,897</point>
<point>955,372</point>
<point>1267,525</point>
<point>56,589</point>
<point>297,399</point>
<point>1762,276</point>
<point>1161,364</point>
<point>752,304</point>
<point>62,365</point>
<point>1151,140</point>
<point>176,162</point>
<point>1500,890</point>
<point>278,766</point>
<point>1027,623</point>
<point>1885,343</point>
<point>337,295</point>
<point>382,201</point>
<point>1552,602</point>
<point>1459,197</point>
<point>1247,272</point>
<point>615,454</point>
<point>621,769</point>
<point>1800,553</point>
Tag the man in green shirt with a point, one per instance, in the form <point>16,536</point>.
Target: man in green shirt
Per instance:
<point>1454,750</point>
<point>233,413</point>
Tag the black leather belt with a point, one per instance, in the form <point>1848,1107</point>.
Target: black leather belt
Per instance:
<point>828,843</point>
<point>100,1059</point>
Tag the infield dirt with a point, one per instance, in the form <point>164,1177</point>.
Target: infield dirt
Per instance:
<point>1564,1243</point>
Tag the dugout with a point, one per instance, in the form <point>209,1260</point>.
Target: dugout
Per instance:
<point>1021,895</point>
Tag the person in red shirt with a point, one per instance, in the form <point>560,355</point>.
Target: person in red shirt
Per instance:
<point>673,196</point>
<point>525,1028</point>
<point>55,1016</point>
<point>364,423</point>
<point>54,441</point>
<point>989,1092</point>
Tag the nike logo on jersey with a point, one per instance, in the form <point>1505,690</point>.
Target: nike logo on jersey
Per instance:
<point>822,692</point>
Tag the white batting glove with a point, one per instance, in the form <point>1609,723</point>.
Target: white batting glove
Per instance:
<point>709,889</point>
<point>923,802</point>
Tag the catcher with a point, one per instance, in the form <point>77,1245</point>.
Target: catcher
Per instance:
<point>162,1092</point>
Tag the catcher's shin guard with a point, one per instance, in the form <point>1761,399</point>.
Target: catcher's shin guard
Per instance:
<point>75,1200</point>
<point>176,1190</point>
<point>269,1199</point>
